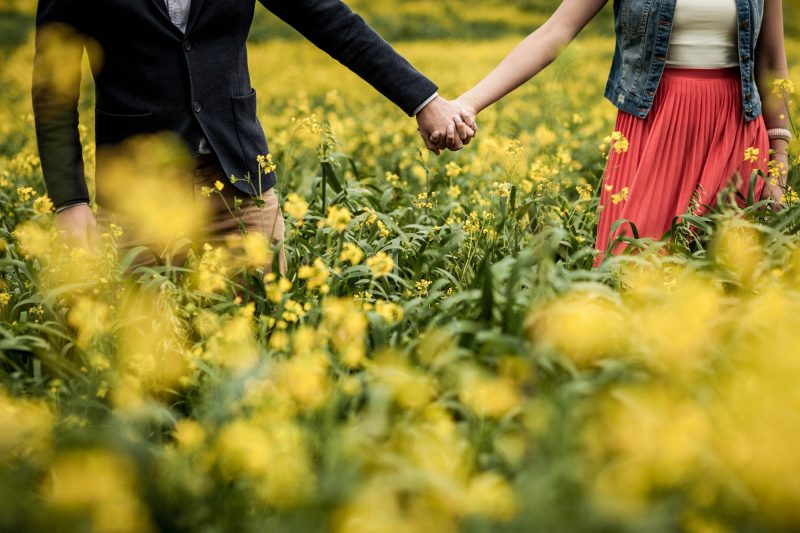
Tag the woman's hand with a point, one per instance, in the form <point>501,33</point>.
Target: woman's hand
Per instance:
<point>463,127</point>
<point>468,112</point>
<point>780,162</point>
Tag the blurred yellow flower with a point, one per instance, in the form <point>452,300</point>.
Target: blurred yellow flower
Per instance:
<point>351,253</point>
<point>316,276</point>
<point>43,205</point>
<point>295,206</point>
<point>389,311</point>
<point>338,218</point>
<point>585,325</point>
<point>381,264</point>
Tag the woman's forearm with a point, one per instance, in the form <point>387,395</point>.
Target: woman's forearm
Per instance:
<point>529,58</point>
<point>771,64</point>
<point>775,110</point>
<point>534,53</point>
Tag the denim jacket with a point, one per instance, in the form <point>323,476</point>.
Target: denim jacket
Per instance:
<point>643,29</point>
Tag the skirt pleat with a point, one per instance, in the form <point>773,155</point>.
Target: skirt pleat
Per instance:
<point>688,150</point>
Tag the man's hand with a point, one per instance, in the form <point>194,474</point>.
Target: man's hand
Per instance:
<point>78,226</point>
<point>441,126</point>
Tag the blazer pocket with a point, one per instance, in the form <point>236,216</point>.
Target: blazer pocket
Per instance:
<point>248,129</point>
<point>113,128</point>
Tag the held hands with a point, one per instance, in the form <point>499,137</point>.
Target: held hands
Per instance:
<point>445,124</point>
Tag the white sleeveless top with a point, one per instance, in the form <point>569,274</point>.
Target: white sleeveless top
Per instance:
<point>704,35</point>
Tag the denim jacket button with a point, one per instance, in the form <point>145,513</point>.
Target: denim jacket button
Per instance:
<point>746,24</point>
<point>746,59</point>
<point>650,93</point>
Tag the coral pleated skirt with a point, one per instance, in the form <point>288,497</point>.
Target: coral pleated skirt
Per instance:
<point>690,148</point>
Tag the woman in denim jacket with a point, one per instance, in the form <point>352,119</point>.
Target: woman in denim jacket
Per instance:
<point>690,79</point>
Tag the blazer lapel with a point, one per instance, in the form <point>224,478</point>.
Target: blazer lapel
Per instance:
<point>194,12</point>
<point>163,14</point>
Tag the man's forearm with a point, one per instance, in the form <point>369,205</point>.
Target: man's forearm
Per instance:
<point>55,91</point>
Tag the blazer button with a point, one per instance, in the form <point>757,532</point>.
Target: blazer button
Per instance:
<point>197,107</point>
<point>187,45</point>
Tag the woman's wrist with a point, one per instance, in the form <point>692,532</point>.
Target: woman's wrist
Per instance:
<point>471,101</point>
<point>779,146</point>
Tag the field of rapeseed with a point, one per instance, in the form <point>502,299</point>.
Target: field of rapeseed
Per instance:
<point>440,356</point>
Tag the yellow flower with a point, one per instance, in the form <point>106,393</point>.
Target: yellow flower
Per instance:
<point>213,269</point>
<point>90,318</point>
<point>584,325</point>
<point>305,378</point>
<point>618,141</point>
<point>274,456</point>
<point>189,434</point>
<point>275,289</point>
<point>351,253</point>
<point>381,264</point>
<point>422,286</point>
<point>422,201</point>
<point>338,218</point>
<point>295,206</point>
<point>266,164</point>
<point>782,87</point>
<point>621,196</point>
<point>388,311</point>
<point>453,170</point>
<point>345,324</point>
<point>501,189</point>
<point>316,275</point>
<point>43,205</point>
<point>219,185</point>
<point>25,193</point>
<point>490,495</point>
<point>790,196</point>
<point>751,154</point>
<point>393,179</point>
<point>488,396</point>
<point>101,485</point>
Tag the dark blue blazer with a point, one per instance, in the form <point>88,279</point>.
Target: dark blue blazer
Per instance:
<point>150,77</point>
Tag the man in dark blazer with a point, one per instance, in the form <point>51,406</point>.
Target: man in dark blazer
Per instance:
<point>181,66</point>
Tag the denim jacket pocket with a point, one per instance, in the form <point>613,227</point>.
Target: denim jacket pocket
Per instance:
<point>634,15</point>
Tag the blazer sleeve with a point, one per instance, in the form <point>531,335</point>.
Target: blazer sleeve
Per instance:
<point>55,92</point>
<point>334,28</point>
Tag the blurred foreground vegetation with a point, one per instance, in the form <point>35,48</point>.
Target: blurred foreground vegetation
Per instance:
<point>439,357</point>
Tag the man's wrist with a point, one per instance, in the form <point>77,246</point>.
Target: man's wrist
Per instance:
<point>424,104</point>
<point>70,204</point>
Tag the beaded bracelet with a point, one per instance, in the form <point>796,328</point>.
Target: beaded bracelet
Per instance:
<point>780,133</point>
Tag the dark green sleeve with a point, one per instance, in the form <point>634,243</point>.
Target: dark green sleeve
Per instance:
<point>344,35</point>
